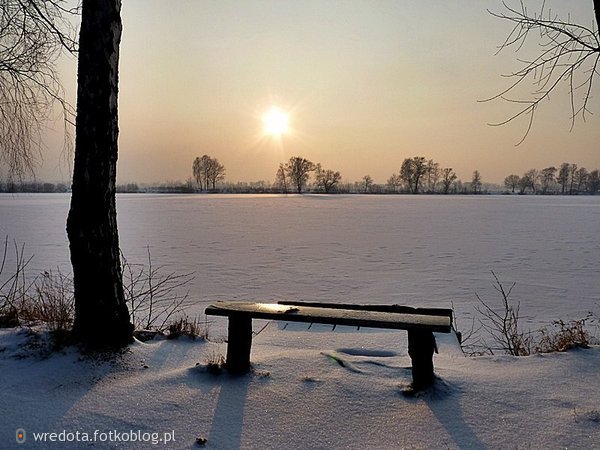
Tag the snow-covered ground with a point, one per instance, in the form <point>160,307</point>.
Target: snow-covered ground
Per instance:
<point>299,396</point>
<point>421,251</point>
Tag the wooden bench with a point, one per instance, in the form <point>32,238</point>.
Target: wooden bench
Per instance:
<point>420,323</point>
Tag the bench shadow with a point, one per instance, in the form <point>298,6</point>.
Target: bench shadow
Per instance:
<point>443,401</point>
<point>228,418</point>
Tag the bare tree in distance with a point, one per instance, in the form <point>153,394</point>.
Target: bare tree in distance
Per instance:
<point>581,178</point>
<point>412,172</point>
<point>326,179</point>
<point>201,171</point>
<point>216,172</point>
<point>433,175</point>
<point>394,182</point>
<point>594,181</point>
<point>547,179</point>
<point>448,178</point>
<point>527,181</point>
<point>33,35</point>
<point>476,182</point>
<point>511,182</point>
<point>197,172</point>
<point>563,176</point>
<point>367,183</point>
<point>568,54</point>
<point>298,171</point>
<point>281,180</point>
<point>207,172</point>
<point>572,175</point>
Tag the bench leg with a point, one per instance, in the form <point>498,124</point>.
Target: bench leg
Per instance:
<point>239,343</point>
<point>421,345</point>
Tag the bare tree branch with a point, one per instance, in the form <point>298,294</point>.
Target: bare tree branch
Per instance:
<point>33,34</point>
<point>569,55</point>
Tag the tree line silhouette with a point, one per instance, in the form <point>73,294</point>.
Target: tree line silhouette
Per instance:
<point>567,179</point>
<point>417,175</point>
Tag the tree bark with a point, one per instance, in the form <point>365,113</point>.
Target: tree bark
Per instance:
<point>101,315</point>
<point>597,14</point>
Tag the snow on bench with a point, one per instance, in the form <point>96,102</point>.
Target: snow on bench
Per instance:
<point>420,323</point>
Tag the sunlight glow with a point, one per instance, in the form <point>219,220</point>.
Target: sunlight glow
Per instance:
<point>275,121</point>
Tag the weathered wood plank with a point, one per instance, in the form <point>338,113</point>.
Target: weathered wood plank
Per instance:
<point>333,316</point>
<point>372,307</point>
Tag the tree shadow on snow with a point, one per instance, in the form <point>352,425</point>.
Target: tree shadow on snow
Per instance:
<point>48,393</point>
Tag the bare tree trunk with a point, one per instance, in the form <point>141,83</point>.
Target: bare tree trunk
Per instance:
<point>597,13</point>
<point>101,315</point>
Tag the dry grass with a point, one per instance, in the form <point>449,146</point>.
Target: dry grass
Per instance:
<point>565,336</point>
<point>14,286</point>
<point>215,363</point>
<point>46,299</point>
<point>52,302</point>
<point>187,326</point>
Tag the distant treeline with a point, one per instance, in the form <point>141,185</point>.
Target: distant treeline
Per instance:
<point>567,179</point>
<point>33,186</point>
<point>252,187</point>
<point>417,175</point>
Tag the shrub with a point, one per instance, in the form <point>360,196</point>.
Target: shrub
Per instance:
<point>153,297</point>
<point>503,324</point>
<point>186,326</point>
<point>569,335</point>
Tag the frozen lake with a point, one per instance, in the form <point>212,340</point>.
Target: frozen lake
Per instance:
<point>414,250</point>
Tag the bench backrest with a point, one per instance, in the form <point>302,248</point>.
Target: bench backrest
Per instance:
<point>382,308</point>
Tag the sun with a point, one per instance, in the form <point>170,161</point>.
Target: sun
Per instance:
<point>275,121</point>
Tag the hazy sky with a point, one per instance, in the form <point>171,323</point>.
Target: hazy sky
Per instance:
<point>366,84</point>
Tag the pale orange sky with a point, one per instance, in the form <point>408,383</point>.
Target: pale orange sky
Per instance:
<point>366,84</point>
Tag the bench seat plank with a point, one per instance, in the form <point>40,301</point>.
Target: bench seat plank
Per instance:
<point>373,307</point>
<point>350,317</point>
